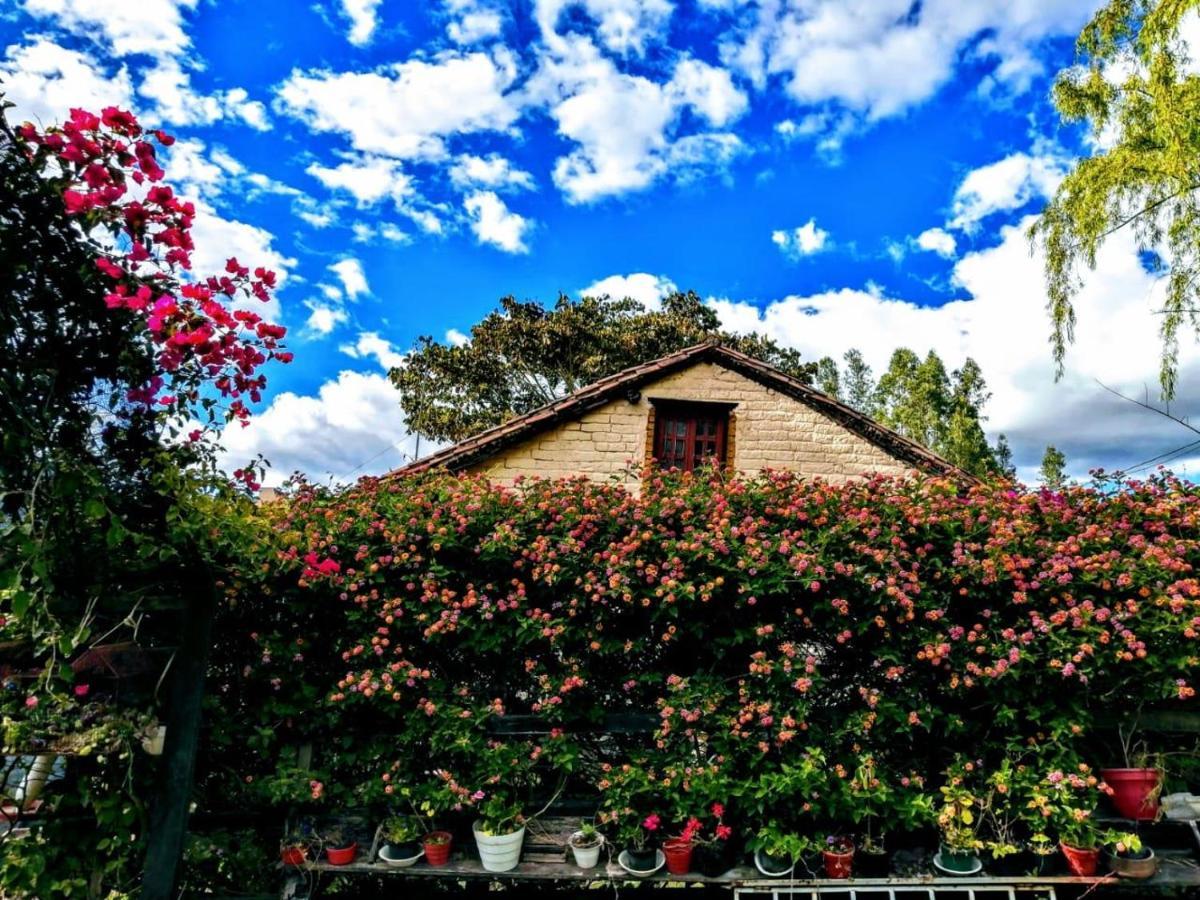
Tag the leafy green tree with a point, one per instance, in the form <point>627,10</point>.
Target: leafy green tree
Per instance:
<point>858,383</point>
<point>917,398</point>
<point>1004,458</point>
<point>1141,104</point>
<point>524,355</point>
<point>1054,464</point>
<point>828,379</point>
<point>913,396</point>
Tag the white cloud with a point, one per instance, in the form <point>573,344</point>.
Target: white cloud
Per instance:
<point>643,287</point>
<point>368,179</point>
<point>154,27</point>
<point>492,171</point>
<point>367,233</point>
<point>370,345</point>
<point>708,90</point>
<point>363,20</point>
<point>627,127</point>
<point>880,57</point>
<point>803,241</point>
<point>494,223</point>
<point>937,240</point>
<point>407,110</point>
<point>371,179</point>
<point>354,280</point>
<point>623,26</point>
<point>323,318</point>
<point>1001,322</point>
<point>1005,185</point>
<point>176,102</point>
<point>353,426</point>
<point>456,338</point>
<point>45,80</point>
<point>473,21</point>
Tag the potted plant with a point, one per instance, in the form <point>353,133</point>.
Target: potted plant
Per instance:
<point>1001,807</point>
<point>294,848</point>
<point>712,855</point>
<point>640,856</point>
<point>499,832</point>
<point>340,848</point>
<point>437,846</point>
<point>1004,858</point>
<point>678,848</point>
<point>402,837</point>
<point>1067,799</point>
<point>1044,854</point>
<point>776,851</point>
<point>960,845</point>
<point>870,798</point>
<point>1136,787</point>
<point>838,856</point>
<point>1128,857</point>
<point>585,845</point>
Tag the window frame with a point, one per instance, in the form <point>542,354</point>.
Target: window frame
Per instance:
<point>691,411</point>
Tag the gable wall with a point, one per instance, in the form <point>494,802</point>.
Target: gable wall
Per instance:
<point>770,430</point>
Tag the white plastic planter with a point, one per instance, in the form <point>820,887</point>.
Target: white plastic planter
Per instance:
<point>587,857</point>
<point>499,852</point>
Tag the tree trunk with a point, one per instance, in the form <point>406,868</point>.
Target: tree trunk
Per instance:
<point>169,815</point>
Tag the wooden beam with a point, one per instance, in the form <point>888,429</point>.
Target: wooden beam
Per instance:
<point>169,815</point>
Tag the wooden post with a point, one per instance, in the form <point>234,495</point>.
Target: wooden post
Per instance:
<point>169,815</point>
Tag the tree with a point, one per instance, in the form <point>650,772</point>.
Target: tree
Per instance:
<point>116,366</point>
<point>1141,104</point>
<point>828,379</point>
<point>917,398</point>
<point>858,384</point>
<point>1053,472</point>
<point>1004,458</point>
<point>524,355</point>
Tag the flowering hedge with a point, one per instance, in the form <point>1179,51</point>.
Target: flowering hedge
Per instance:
<point>818,658</point>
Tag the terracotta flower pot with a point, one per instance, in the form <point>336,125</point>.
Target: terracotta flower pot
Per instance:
<point>437,847</point>
<point>294,856</point>
<point>341,856</point>
<point>1134,792</point>
<point>1079,861</point>
<point>838,865</point>
<point>1133,867</point>
<point>679,856</point>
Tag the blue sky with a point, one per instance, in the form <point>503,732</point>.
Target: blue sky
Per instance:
<point>839,173</point>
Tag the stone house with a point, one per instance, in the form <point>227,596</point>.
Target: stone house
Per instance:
<point>706,402</point>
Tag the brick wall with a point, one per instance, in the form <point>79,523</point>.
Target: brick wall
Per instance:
<point>770,430</point>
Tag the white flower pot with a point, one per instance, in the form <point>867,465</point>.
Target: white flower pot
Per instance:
<point>499,852</point>
<point>587,857</point>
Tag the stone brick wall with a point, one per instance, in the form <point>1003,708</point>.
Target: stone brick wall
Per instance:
<point>770,430</point>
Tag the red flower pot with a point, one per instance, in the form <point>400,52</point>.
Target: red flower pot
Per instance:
<point>838,865</point>
<point>1134,792</point>
<point>1080,862</point>
<point>294,856</point>
<point>679,856</point>
<point>437,847</point>
<point>341,856</point>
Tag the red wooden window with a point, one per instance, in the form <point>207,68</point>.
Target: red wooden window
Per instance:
<point>687,435</point>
